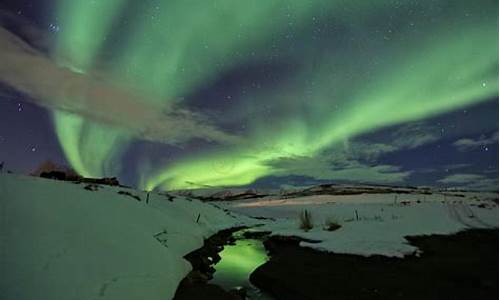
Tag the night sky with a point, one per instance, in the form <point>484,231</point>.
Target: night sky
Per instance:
<point>187,94</point>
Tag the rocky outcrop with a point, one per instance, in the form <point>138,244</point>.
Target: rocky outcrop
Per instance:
<point>113,181</point>
<point>58,175</point>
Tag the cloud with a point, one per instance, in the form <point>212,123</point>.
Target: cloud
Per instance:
<point>32,72</point>
<point>322,167</point>
<point>371,174</point>
<point>414,135</point>
<point>470,181</point>
<point>457,166</point>
<point>359,150</point>
<point>406,137</point>
<point>466,144</point>
<point>460,178</point>
<point>357,161</point>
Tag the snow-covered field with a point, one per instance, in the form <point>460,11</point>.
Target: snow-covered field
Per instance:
<point>61,241</point>
<point>372,223</point>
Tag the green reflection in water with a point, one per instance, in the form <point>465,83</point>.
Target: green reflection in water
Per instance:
<point>237,263</point>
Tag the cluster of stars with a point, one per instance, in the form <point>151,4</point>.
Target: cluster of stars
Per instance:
<point>54,27</point>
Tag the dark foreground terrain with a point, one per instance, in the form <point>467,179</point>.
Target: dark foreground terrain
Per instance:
<point>195,285</point>
<point>460,266</point>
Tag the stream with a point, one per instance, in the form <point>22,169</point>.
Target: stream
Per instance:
<point>238,262</point>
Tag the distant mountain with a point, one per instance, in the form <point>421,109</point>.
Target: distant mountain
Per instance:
<point>229,194</point>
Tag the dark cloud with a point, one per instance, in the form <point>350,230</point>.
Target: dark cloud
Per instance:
<point>25,67</point>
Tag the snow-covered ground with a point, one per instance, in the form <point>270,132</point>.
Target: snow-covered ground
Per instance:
<point>61,241</point>
<point>372,223</point>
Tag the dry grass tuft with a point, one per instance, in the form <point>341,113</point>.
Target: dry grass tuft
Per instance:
<point>306,221</point>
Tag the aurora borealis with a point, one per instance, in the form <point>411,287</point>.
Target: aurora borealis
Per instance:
<point>252,89</point>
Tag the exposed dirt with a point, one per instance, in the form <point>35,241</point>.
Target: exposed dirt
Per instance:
<point>460,266</point>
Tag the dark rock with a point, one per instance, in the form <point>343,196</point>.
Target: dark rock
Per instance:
<point>262,218</point>
<point>460,266</point>
<point>195,277</point>
<point>195,286</point>
<point>205,292</point>
<point>54,175</point>
<point>130,195</point>
<point>276,242</point>
<point>169,197</point>
<point>113,181</point>
<point>91,187</point>
<point>255,234</point>
<point>332,226</point>
<point>240,292</point>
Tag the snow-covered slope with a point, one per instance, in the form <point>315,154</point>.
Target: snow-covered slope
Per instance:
<point>61,241</point>
<point>373,223</point>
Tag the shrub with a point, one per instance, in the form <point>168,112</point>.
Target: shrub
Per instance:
<point>331,224</point>
<point>49,169</point>
<point>306,222</point>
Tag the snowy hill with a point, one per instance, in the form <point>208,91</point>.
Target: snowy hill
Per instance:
<point>60,240</point>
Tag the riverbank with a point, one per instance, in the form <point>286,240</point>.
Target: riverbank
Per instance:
<point>458,266</point>
<point>222,267</point>
<point>196,284</point>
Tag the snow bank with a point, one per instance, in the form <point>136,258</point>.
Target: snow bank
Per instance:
<point>373,223</point>
<point>61,241</point>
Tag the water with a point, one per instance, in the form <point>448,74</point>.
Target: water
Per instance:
<point>237,263</point>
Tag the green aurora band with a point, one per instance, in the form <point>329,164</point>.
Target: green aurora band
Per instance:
<point>381,65</point>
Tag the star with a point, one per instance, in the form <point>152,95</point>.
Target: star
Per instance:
<point>54,27</point>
